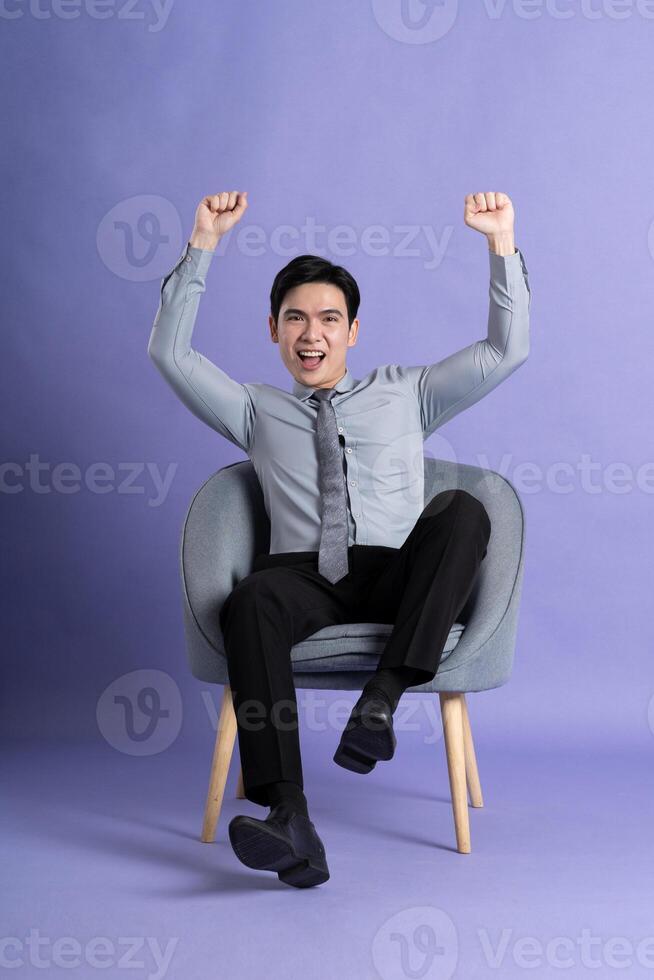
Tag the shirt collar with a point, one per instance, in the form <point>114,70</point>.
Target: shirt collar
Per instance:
<point>305,391</point>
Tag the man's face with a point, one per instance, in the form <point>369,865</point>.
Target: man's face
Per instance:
<point>313,316</point>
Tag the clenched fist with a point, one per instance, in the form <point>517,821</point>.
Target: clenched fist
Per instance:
<point>491,213</point>
<point>215,215</point>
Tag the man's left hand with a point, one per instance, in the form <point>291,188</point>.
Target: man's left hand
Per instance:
<point>491,213</point>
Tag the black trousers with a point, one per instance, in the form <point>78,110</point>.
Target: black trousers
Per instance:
<point>419,588</point>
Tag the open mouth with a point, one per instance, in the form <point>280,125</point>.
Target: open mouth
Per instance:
<point>310,363</point>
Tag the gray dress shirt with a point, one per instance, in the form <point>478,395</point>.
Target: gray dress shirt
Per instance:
<point>383,419</point>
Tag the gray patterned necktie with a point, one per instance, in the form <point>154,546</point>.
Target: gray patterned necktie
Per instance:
<point>333,554</point>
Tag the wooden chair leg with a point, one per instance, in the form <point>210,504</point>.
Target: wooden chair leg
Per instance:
<point>240,790</point>
<point>222,754</point>
<point>452,715</point>
<point>472,773</point>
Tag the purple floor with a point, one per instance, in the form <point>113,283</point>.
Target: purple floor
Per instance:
<point>102,847</point>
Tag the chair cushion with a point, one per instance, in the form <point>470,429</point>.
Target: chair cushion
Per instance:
<point>352,646</point>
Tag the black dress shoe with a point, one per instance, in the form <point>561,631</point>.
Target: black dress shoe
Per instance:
<point>285,842</point>
<point>368,735</point>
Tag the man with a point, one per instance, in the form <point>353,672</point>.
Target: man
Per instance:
<point>340,462</point>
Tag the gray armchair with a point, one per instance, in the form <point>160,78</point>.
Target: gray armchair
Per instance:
<point>226,526</point>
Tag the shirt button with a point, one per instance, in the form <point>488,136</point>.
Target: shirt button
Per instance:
<point>348,450</point>
<point>357,515</point>
<point>353,483</point>
<point>340,428</point>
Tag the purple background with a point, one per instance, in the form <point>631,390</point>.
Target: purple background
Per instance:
<point>328,113</point>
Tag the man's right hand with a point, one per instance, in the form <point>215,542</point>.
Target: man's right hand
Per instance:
<point>215,215</point>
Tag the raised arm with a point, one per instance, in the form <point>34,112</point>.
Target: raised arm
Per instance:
<point>223,403</point>
<point>451,385</point>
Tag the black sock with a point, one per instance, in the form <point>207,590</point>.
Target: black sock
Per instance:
<point>392,682</point>
<point>290,793</point>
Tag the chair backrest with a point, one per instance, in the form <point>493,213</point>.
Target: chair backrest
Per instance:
<point>227,526</point>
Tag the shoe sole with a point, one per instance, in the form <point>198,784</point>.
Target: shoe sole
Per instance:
<point>361,748</point>
<point>267,850</point>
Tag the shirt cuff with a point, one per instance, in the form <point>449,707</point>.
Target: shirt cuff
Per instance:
<point>507,269</point>
<point>195,261</point>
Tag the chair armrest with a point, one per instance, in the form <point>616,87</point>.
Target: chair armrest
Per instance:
<point>225,527</point>
<point>496,592</point>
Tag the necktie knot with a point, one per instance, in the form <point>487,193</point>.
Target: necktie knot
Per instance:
<point>324,394</point>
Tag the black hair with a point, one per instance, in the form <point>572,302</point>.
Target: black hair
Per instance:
<point>313,268</point>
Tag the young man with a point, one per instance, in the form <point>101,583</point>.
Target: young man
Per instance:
<point>340,462</point>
